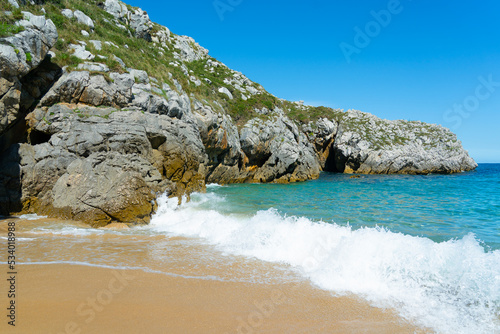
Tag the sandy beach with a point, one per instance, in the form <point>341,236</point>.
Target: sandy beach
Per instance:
<point>69,298</point>
<point>79,299</point>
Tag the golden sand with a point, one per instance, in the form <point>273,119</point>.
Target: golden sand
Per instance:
<point>79,299</point>
<point>66,298</point>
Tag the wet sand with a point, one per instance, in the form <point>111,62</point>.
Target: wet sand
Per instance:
<point>67,298</point>
<point>79,299</point>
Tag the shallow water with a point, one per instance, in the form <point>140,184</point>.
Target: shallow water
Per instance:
<point>440,207</point>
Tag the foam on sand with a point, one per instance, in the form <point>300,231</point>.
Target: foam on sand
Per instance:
<point>451,287</point>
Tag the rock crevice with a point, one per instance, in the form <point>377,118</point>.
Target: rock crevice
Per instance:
<point>99,143</point>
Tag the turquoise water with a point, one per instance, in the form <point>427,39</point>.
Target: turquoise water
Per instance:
<point>440,207</point>
<point>425,246</point>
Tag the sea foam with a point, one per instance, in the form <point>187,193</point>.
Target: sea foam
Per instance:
<point>32,216</point>
<point>451,287</point>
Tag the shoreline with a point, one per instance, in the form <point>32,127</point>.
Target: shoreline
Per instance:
<point>64,298</point>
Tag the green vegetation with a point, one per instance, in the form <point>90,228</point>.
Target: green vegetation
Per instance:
<point>94,112</point>
<point>46,121</point>
<point>7,21</point>
<point>9,29</point>
<point>306,114</point>
<point>65,59</point>
<point>158,62</point>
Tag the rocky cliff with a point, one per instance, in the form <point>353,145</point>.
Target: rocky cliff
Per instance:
<point>102,109</point>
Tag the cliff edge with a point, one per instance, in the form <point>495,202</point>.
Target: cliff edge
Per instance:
<point>101,110</point>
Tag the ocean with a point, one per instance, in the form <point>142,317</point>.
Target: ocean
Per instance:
<point>426,246</point>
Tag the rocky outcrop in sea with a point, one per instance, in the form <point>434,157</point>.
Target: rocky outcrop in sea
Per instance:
<point>88,133</point>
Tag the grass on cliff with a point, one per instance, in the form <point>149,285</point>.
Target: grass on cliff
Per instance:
<point>157,62</point>
<point>7,20</point>
<point>243,110</point>
<point>135,52</point>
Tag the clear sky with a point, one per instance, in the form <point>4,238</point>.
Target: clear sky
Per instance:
<point>434,61</point>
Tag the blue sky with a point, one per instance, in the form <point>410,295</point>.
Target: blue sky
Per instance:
<point>420,60</point>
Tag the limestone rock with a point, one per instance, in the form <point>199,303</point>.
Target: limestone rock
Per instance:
<point>80,52</point>
<point>14,3</point>
<point>141,77</point>
<point>107,187</point>
<point>67,13</point>
<point>222,145</point>
<point>24,51</point>
<point>277,151</point>
<point>10,99</point>
<point>120,61</point>
<point>93,67</point>
<point>322,134</point>
<point>20,54</point>
<point>141,24</point>
<point>116,8</point>
<point>190,50</point>
<point>368,144</point>
<point>83,19</point>
<point>97,44</point>
<point>105,164</point>
<point>80,87</point>
<point>226,91</point>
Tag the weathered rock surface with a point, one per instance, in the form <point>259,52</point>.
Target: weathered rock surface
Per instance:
<point>278,151</point>
<point>24,51</point>
<point>82,18</point>
<point>102,164</point>
<point>98,145</point>
<point>81,87</point>
<point>20,54</point>
<point>107,187</point>
<point>322,134</point>
<point>226,91</point>
<point>368,144</point>
<point>79,51</point>
<point>190,50</point>
<point>222,144</point>
<point>141,24</point>
<point>116,8</point>
<point>138,20</point>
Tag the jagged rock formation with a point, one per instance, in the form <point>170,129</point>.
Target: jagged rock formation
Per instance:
<point>278,151</point>
<point>367,144</point>
<point>20,54</point>
<point>98,140</point>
